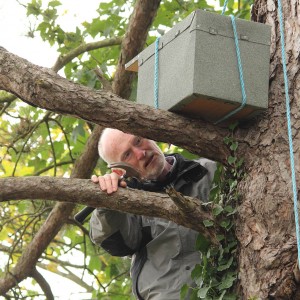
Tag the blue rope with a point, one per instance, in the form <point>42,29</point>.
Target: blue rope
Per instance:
<point>239,61</point>
<point>156,67</point>
<point>288,115</point>
<point>224,7</point>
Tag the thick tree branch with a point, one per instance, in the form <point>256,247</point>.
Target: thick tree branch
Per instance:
<point>44,88</point>
<point>127,200</point>
<point>133,43</point>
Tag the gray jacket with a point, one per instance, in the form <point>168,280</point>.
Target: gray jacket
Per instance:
<point>163,253</point>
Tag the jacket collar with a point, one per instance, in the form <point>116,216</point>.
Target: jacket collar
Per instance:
<point>189,170</point>
<point>183,170</point>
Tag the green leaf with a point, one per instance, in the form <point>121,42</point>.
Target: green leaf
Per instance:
<point>240,163</point>
<point>78,131</point>
<point>197,272</point>
<point>94,263</point>
<point>58,148</point>
<point>229,208</point>
<point>226,266</point>
<point>54,3</point>
<point>226,224</point>
<point>96,27</point>
<point>202,292</point>
<point>34,8</point>
<point>50,15</point>
<point>202,244</point>
<point>234,146</point>
<point>231,160</point>
<point>183,291</point>
<point>217,210</point>
<point>222,295</point>
<point>227,140</point>
<point>220,237</point>
<point>208,223</point>
<point>227,281</point>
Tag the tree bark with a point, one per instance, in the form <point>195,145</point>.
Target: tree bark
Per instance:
<point>133,44</point>
<point>83,191</point>
<point>43,88</point>
<point>266,227</point>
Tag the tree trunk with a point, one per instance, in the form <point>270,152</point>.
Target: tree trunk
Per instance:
<point>266,227</point>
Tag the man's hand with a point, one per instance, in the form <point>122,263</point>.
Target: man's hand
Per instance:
<point>109,183</point>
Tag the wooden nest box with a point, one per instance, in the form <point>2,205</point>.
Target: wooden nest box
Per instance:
<point>198,71</point>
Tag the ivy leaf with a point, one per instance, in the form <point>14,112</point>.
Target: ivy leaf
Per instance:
<point>217,210</point>
<point>202,243</point>
<point>234,146</point>
<point>227,140</point>
<point>202,292</point>
<point>208,223</point>
<point>226,266</point>
<point>183,291</point>
<point>197,272</point>
<point>226,224</point>
<point>231,159</point>
<point>227,281</point>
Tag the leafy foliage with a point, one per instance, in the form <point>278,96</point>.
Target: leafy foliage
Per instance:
<point>216,275</point>
<point>35,142</point>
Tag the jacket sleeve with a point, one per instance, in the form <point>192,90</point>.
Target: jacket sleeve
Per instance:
<point>118,233</point>
<point>204,185</point>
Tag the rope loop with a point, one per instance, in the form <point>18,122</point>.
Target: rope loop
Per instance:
<point>240,68</point>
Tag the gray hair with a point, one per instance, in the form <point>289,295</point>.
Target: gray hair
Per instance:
<point>100,143</point>
<point>100,146</point>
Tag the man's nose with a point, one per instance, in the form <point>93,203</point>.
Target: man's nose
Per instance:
<point>139,153</point>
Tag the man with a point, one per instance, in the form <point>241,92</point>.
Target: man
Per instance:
<point>163,253</point>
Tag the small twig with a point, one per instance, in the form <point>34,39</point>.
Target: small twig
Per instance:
<point>5,106</point>
<point>37,276</point>
<point>185,205</point>
<point>62,163</point>
<point>66,58</point>
<point>66,137</point>
<point>52,147</point>
<point>27,139</point>
<point>105,83</point>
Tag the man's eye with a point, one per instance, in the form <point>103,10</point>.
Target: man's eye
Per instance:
<point>139,140</point>
<point>126,155</point>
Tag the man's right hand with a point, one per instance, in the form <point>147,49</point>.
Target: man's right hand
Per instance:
<point>109,183</point>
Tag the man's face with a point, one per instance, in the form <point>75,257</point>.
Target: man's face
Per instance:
<point>142,154</point>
